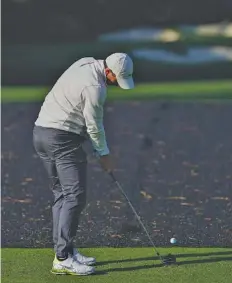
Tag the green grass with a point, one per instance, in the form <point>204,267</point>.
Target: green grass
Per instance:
<point>175,90</point>
<point>137,265</point>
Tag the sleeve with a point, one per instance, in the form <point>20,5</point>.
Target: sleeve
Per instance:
<point>94,98</point>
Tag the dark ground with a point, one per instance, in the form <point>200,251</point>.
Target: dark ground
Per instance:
<point>174,160</point>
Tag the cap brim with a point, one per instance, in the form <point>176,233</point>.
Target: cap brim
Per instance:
<point>126,83</point>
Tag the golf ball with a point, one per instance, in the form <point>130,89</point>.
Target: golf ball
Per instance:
<point>173,241</point>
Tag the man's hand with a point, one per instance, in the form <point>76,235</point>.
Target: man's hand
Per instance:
<point>106,163</point>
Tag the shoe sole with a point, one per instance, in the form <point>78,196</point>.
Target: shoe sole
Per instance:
<point>67,272</point>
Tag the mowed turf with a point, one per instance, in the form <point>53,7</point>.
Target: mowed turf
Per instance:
<point>174,90</point>
<point>114,265</point>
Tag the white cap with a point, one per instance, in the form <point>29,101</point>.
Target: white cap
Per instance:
<point>122,66</point>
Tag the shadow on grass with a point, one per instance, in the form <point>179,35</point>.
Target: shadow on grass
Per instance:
<point>101,272</point>
<point>156,258</point>
<point>189,262</point>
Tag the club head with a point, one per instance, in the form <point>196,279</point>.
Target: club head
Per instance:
<point>169,260</point>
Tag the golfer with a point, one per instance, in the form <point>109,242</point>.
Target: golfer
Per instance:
<point>72,113</point>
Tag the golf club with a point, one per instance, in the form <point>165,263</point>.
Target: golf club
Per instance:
<point>166,260</point>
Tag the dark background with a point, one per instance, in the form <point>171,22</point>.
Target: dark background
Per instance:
<point>40,39</point>
<point>58,21</point>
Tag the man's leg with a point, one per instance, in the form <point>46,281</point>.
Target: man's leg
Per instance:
<point>56,188</point>
<point>71,170</point>
<point>57,204</point>
<point>61,148</point>
<point>42,149</point>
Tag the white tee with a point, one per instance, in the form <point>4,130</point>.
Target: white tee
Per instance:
<point>75,103</point>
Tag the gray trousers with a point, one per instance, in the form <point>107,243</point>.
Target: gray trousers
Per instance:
<point>66,163</point>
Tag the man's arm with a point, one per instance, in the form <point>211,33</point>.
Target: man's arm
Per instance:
<point>94,98</point>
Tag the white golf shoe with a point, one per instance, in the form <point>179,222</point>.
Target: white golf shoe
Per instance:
<point>71,267</point>
<point>83,259</point>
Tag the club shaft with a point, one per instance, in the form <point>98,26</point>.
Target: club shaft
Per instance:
<point>136,214</point>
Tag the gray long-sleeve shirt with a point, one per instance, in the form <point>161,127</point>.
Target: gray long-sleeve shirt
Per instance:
<point>75,103</point>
